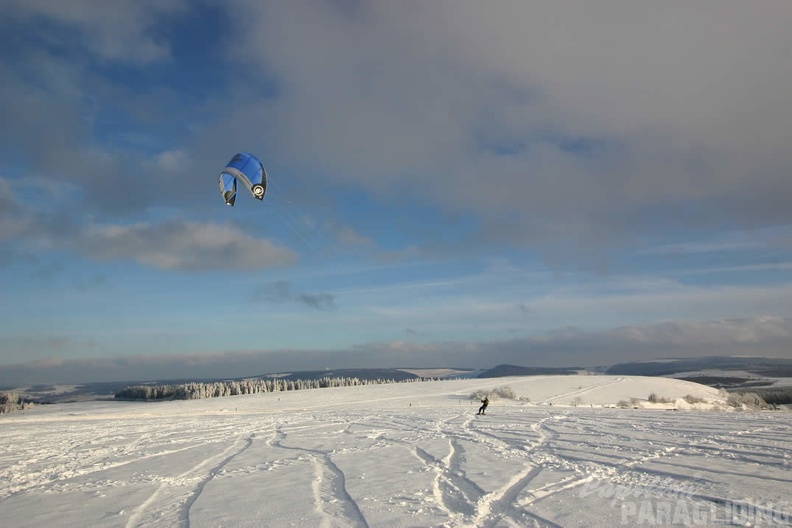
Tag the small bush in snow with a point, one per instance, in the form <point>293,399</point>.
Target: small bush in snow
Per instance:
<point>654,398</point>
<point>505,393</point>
<point>479,395</point>
<point>693,399</point>
<point>746,400</point>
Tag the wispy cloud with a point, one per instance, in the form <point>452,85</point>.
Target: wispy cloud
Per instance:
<point>282,292</point>
<point>770,238</point>
<point>124,31</point>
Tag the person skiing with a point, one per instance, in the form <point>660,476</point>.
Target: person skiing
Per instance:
<point>484,404</point>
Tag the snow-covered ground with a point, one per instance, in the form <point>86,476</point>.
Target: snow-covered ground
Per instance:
<point>412,454</point>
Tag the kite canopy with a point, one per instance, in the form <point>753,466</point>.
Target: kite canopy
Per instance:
<point>248,169</point>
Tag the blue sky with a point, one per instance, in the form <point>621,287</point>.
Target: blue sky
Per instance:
<point>451,184</point>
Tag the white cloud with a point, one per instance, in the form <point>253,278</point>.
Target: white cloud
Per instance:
<point>185,246</point>
<point>169,245</point>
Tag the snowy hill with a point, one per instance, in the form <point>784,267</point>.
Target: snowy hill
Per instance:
<point>408,454</point>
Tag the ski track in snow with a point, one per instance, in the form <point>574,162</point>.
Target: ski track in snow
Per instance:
<point>582,390</point>
<point>331,499</point>
<point>170,504</point>
<point>367,465</point>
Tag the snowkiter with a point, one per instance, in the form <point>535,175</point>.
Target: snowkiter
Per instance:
<point>483,407</point>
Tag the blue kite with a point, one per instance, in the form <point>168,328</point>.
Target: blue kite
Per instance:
<point>249,170</point>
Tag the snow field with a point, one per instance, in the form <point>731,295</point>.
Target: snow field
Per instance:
<point>399,455</point>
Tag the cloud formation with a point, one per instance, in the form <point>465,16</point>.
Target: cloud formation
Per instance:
<point>582,121</point>
<point>185,246</point>
<point>566,122</point>
<point>173,245</point>
<point>409,146</point>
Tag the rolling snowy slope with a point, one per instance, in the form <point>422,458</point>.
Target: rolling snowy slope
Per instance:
<point>409,454</point>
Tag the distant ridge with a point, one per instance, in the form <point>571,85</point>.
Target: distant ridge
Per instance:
<point>514,370</point>
<point>362,374</point>
<point>762,366</point>
<point>719,365</point>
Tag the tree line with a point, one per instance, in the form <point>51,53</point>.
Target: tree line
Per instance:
<point>218,389</point>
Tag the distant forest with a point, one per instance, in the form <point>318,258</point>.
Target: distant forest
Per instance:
<point>773,395</point>
<point>771,367</point>
<point>197,390</point>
